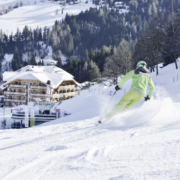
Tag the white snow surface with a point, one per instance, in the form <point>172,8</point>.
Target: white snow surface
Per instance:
<point>6,62</point>
<point>63,59</point>
<point>36,15</point>
<point>142,143</point>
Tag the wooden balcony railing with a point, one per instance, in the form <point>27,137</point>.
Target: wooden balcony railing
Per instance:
<point>38,87</point>
<point>65,88</point>
<point>17,86</point>
<point>41,95</point>
<point>14,93</point>
<point>14,100</point>
<point>68,94</point>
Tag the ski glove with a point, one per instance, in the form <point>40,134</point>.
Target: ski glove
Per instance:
<point>147,98</point>
<point>117,88</point>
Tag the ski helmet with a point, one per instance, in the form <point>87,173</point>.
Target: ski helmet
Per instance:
<point>141,64</point>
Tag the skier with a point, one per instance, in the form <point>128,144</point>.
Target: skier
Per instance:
<point>140,81</point>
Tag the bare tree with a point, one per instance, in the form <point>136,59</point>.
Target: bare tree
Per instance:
<point>172,44</point>
<point>150,44</point>
<point>16,5</point>
<point>119,63</point>
<point>21,3</point>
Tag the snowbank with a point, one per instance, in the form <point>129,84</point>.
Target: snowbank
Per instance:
<point>139,144</point>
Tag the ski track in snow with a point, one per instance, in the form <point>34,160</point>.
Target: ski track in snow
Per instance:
<point>140,144</point>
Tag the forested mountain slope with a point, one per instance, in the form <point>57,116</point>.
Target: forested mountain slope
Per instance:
<point>90,40</point>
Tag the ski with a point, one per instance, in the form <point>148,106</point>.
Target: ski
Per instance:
<point>98,123</point>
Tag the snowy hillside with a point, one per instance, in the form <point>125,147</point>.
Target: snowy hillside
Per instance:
<point>37,13</point>
<point>140,144</point>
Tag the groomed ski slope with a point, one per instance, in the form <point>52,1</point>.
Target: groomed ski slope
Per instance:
<point>143,143</point>
<point>39,14</point>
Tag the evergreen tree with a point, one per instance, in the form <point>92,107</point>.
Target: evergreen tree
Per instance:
<point>33,59</point>
<point>1,53</point>
<point>94,73</point>
<point>40,34</point>
<point>0,66</point>
<point>16,54</point>
<point>14,65</point>
<point>59,63</point>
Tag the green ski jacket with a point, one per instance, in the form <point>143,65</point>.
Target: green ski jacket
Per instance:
<point>141,80</point>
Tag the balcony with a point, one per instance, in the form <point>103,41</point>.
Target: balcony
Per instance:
<point>41,95</point>
<point>68,94</point>
<point>17,86</point>
<point>65,88</point>
<point>72,93</point>
<point>14,100</point>
<point>38,87</point>
<point>57,95</point>
<point>14,93</point>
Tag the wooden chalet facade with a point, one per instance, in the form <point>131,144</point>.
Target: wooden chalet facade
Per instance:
<point>42,85</point>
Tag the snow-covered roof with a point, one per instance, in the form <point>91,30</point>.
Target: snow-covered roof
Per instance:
<point>8,74</point>
<point>50,69</point>
<point>118,3</point>
<point>3,87</point>
<point>87,83</point>
<point>41,73</point>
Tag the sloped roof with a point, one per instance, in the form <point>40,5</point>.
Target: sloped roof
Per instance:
<point>32,68</point>
<point>50,69</point>
<point>42,74</point>
<point>8,74</point>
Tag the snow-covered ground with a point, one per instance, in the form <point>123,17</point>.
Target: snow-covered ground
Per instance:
<point>140,144</point>
<point>6,62</point>
<point>39,14</point>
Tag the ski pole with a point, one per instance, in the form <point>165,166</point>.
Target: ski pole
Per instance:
<point>106,108</point>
